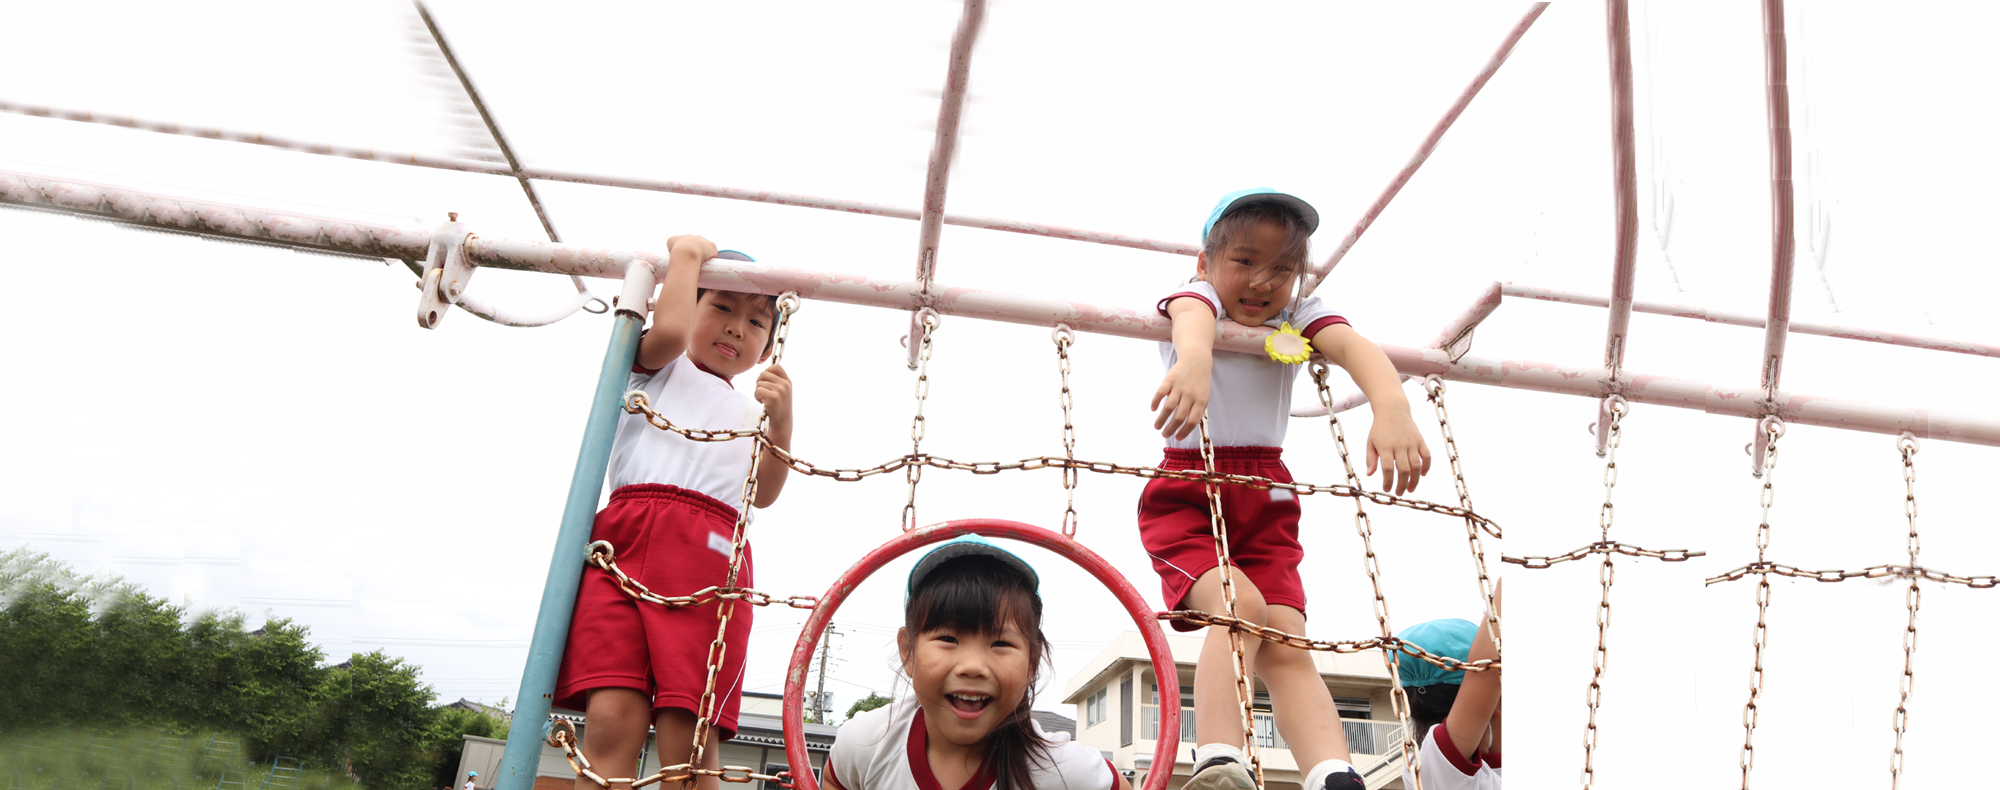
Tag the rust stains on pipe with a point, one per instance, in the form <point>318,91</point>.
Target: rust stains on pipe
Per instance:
<point>1424,149</point>
<point>1779,109</point>
<point>1624,184</point>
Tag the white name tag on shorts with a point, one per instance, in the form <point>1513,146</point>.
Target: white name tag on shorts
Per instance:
<point>719,544</point>
<point>1282,495</point>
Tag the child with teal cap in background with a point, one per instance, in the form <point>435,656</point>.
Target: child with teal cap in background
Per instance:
<point>1457,713</point>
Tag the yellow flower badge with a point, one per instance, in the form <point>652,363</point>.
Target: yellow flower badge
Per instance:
<point>1287,345</point>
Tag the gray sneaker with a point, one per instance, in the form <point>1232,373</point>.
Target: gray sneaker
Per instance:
<point>1221,773</point>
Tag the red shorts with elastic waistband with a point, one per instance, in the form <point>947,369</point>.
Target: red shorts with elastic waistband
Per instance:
<point>674,541</point>
<point>1263,527</point>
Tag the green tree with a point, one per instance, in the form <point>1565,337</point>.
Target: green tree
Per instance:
<point>868,703</point>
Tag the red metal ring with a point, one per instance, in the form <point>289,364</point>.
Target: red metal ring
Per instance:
<point>1135,605</point>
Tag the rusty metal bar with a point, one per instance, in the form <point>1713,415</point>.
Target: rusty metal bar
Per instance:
<point>621,182</point>
<point>234,223</point>
<point>1424,149</point>
<point>1757,322</point>
<point>1778,104</point>
<point>944,148</point>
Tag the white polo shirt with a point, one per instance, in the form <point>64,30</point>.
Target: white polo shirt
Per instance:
<point>1249,395</point>
<point>689,397</point>
<point>1446,769</point>
<point>886,749</point>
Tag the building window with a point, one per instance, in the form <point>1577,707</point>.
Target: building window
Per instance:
<point>1151,726</point>
<point>1125,711</point>
<point>1094,707</point>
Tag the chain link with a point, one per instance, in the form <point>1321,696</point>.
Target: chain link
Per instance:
<point>1773,428</point>
<point>563,736</point>
<point>1399,701</point>
<point>706,709</point>
<point>1605,547</point>
<point>1434,390</point>
<point>1606,573</point>
<point>912,473</point>
<point>1275,636</point>
<point>1906,445</point>
<point>1064,337</point>
<point>636,403</point>
<point>604,557</point>
<point>1875,572</point>
<point>1219,530</point>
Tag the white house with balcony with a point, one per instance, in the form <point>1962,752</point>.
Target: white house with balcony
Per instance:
<point>1117,701</point>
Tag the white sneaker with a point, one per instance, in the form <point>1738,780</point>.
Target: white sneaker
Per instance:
<point>1221,773</point>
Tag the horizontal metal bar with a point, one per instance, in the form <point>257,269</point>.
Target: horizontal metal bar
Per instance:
<point>1757,322</point>
<point>378,241</point>
<point>570,177</point>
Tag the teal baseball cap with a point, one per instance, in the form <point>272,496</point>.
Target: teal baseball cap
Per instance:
<point>1450,638</point>
<point>1255,195</point>
<point>967,545</point>
<point>732,255</point>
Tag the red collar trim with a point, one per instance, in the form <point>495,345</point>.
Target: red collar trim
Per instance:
<point>918,752</point>
<point>704,368</point>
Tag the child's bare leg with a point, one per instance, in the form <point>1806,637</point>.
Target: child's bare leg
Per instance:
<point>1218,714</point>
<point>614,727</point>
<point>1306,716</point>
<point>674,734</point>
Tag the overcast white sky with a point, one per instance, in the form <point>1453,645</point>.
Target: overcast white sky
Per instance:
<point>237,427</point>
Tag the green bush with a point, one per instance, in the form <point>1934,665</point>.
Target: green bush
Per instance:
<point>89,666</point>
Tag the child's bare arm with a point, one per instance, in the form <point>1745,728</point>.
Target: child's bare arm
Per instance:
<point>1478,703</point>
<point>1183,395</point>
<point>673,311</point>
<point>1394,439</point>
<point>774,390</point>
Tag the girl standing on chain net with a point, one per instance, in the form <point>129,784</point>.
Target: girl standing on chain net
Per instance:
<point>1254,249</point>
<point>671,522</point>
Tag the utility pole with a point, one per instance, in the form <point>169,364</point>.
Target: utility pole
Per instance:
<point>819,697</point>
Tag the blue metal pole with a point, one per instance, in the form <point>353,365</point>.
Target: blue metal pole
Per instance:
<point>538,680</point>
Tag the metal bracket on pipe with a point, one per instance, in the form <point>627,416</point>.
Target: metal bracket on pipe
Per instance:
<point>446,273</point>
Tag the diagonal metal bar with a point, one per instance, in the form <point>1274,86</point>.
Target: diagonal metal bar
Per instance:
<point>1424,149</point>
<point>492,127</point>
<point>594,179</point>
<point>937,176</point>
<point>1778,104</point>
<point>1625,194</point>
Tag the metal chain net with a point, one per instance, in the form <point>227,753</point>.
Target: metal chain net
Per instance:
<point>1398,700</point>
<point>1434,390</point>
<point>1594,696</point>
<point>912,473</point>
<point>1219,528</point>
<point>1064,337</point>
<point>1906,445</point>
<point>1773,428</point>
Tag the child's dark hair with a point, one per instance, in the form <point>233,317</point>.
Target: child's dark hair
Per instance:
<point>1429,705</point>
<point>1297,238</point>
<point>770,301</point>
<point>978,593</point>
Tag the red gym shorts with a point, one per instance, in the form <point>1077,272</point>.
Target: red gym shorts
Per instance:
<point>675,542</point>
<point>1263,527</point>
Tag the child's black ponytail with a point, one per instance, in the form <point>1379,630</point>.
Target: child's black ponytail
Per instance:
<point>981,593</point>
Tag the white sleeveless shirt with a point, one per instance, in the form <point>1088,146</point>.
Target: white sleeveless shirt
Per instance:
<point>689,397</point>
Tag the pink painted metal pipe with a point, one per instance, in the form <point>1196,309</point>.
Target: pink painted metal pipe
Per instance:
<point>232,222</point>
<point>1779,109</point>
<point>621,182</point>
<point>1756,322</point>
<point>1624,184</point>
<point>1424,149</point>
<point>944,148</point>
<point>1625,203</point>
